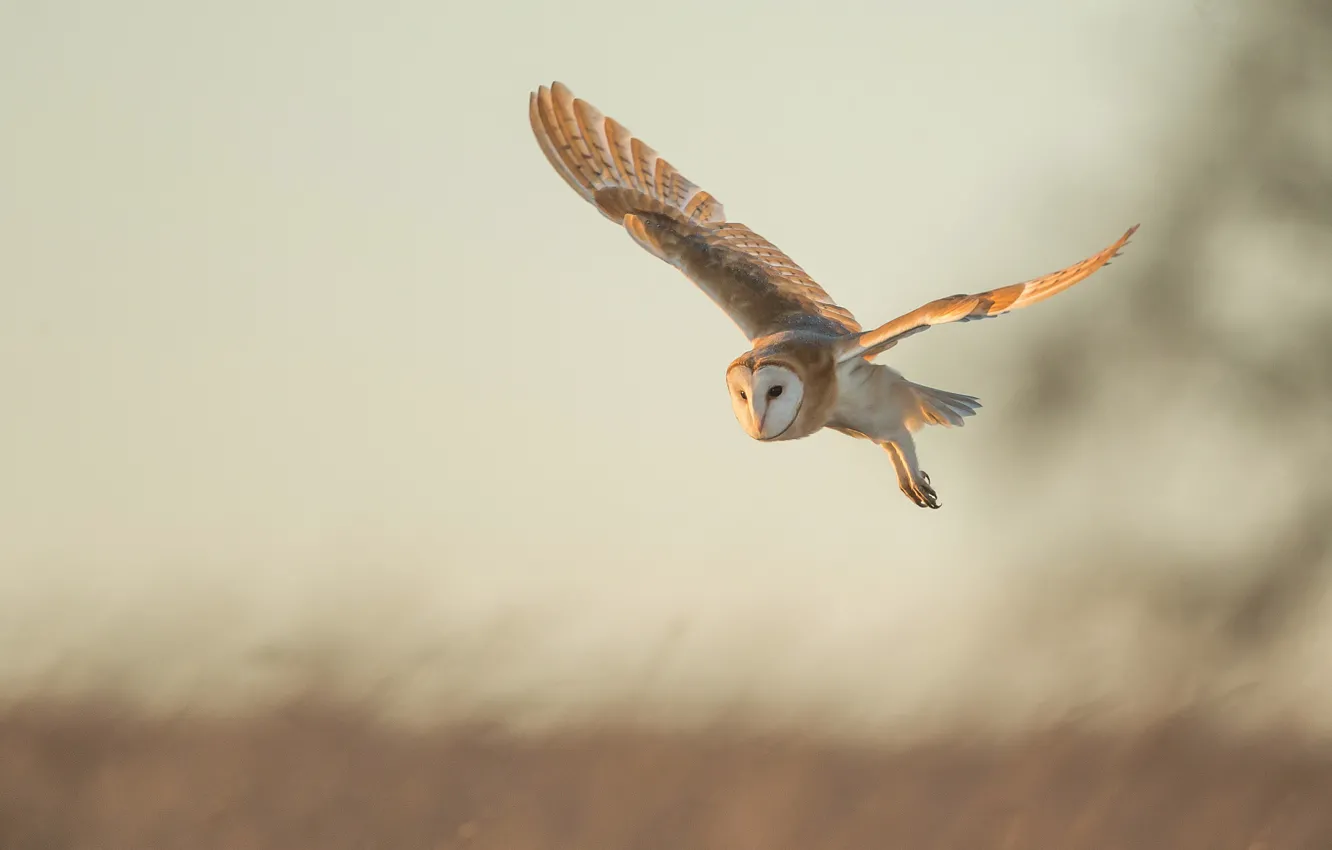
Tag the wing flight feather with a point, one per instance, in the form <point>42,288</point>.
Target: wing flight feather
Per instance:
<point>982,305</point>
<point>761,288</point>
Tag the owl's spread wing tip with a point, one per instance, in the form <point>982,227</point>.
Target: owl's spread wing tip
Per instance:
<point>1123,242</point>
<point>982,305</point>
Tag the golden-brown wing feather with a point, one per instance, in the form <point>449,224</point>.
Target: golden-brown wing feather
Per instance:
<point>610,168</point>
<point>982,305</point>
<point>761,288</point>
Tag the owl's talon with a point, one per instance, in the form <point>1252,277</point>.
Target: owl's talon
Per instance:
<point>927,498</point>
<point>922,494</point>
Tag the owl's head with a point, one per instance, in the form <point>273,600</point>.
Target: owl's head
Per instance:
<point>766,397</point>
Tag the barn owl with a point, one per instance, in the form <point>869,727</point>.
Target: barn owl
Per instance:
<point>810,365</point>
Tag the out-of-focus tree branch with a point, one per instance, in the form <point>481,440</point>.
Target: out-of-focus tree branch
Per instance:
<point>1254,158</point>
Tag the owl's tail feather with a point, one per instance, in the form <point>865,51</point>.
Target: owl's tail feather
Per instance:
<point>939,407</point>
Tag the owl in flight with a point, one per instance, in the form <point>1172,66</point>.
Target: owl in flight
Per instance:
<point>810,365</point>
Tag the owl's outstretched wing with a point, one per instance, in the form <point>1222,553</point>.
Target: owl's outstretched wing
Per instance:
<point>759,287</point>
<point>982,305</point>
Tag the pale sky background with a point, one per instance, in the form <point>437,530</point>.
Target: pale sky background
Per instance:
<point>302,341</point>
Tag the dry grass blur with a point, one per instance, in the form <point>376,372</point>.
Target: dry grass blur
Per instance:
<point>317,776</point>
<point>1250,170</point>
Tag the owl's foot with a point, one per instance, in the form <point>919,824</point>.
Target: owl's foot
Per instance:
<point>920,492</point>
<point>913,481</point>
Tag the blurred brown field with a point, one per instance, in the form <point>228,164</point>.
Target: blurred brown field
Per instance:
<point>85,777</point>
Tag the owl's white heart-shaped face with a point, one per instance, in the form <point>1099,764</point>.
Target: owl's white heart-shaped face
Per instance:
<point>765,400</point>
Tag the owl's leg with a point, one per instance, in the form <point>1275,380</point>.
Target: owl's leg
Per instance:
<point>913,480</point>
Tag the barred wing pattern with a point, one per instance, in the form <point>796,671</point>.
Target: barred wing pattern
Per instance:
<point>982,305</point>
<point>761,288</point>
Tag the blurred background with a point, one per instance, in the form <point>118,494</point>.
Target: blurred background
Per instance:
<point>361,486</point>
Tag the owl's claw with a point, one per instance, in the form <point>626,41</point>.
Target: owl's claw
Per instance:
<point>913,481</point>
<point>921,493</point>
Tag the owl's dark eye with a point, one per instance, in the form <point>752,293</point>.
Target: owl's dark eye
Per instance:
<point>743,397</point>
<point>773,392</point>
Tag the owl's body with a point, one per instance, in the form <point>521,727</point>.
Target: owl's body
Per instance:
<point>810,365</point>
